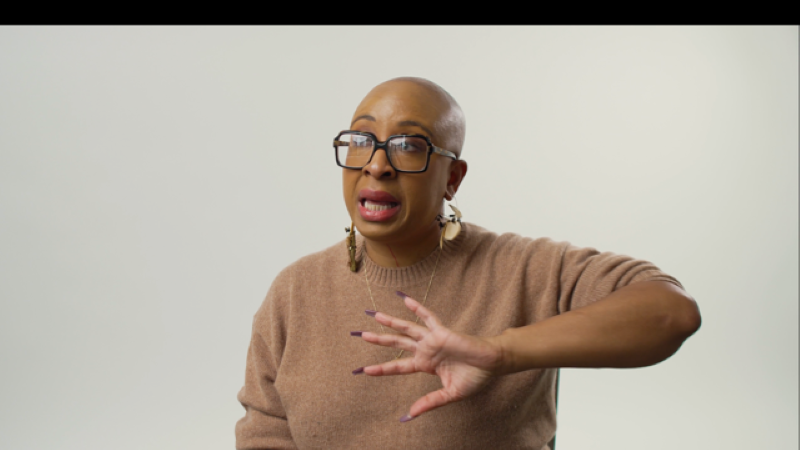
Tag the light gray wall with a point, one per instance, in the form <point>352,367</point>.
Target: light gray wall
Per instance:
<point>153,181</point>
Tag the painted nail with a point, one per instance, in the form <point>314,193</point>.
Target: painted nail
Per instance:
<point>406,418</point>
<point>355,333</point>
<point>358,371</point>
<point>402,294</point>
<point>371,313</point>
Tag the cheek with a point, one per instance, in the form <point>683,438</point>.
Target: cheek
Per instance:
<point>427,195</point>
<point>348,181</point>
<point>438,184</point>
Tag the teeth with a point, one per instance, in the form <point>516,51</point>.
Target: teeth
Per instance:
<point>376,206</point>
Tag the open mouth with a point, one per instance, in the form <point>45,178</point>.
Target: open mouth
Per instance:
<point>377,206</point>
<point>372,205</point>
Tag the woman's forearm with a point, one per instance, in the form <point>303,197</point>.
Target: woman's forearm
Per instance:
<point>639,325</point>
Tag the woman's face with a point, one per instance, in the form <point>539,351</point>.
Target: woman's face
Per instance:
<point>401,208</point>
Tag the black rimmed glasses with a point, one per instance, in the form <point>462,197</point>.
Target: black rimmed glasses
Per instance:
<point>406,153</point>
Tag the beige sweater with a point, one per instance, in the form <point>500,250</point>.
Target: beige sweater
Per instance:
<point>299,391</point>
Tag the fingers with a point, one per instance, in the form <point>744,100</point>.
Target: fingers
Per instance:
<point>388,340</point>
<point>396,367</point>
<point>430,401</point>
<point>410,329</point>
<point>431,321</point>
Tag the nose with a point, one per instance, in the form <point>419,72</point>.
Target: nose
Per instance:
<point>379,166</point>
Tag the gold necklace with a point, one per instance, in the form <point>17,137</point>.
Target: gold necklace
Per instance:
<point>375,307</point>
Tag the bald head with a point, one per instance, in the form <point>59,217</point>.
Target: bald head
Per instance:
<point>444,119</point>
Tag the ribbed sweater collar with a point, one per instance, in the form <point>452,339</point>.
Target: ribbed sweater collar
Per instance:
<point>419,273</point>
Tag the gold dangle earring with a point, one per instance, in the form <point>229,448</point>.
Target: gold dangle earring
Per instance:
<point>451,226</point>
<point>351,246</point>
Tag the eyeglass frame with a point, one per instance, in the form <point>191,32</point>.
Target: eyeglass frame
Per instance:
<point>378,145</point>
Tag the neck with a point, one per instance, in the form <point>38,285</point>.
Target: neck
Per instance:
<point>402,254</point>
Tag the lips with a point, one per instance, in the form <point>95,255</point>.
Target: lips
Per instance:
<point>377,206</point>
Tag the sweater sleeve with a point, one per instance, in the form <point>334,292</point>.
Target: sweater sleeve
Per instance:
<point>588,275</point>
<point>264,425</point>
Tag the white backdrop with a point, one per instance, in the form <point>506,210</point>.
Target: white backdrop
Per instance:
<point>153,181</point>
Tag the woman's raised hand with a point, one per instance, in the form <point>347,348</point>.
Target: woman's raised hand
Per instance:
<point>463,363</point>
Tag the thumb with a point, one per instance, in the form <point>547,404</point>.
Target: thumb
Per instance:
<point>430,401</point>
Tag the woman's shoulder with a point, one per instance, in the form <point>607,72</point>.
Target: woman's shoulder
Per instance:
<point>542,250</point>
<point>312,273</point>
<point>514,244</point>
<point>315,265</point>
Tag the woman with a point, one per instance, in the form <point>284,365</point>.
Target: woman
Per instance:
<point>481,324</point>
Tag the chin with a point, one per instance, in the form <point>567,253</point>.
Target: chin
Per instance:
<point>377,231</point>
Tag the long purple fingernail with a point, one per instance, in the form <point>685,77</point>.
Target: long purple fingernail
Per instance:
<point>371,313</point>
<point>355,333</point>
<point>358,371</point>
<point>406,418</point>
<point>402,294</point>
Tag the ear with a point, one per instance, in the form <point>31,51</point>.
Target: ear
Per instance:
<point>458,170</point>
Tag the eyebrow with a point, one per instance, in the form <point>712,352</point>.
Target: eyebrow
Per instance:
<point>404,123</point>
<point>407,123</point>
<point>363,116</point>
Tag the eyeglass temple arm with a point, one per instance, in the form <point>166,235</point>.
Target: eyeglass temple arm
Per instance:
<point>443,152</point>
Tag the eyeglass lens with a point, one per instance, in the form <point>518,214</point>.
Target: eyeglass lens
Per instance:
<point>404,152</point>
